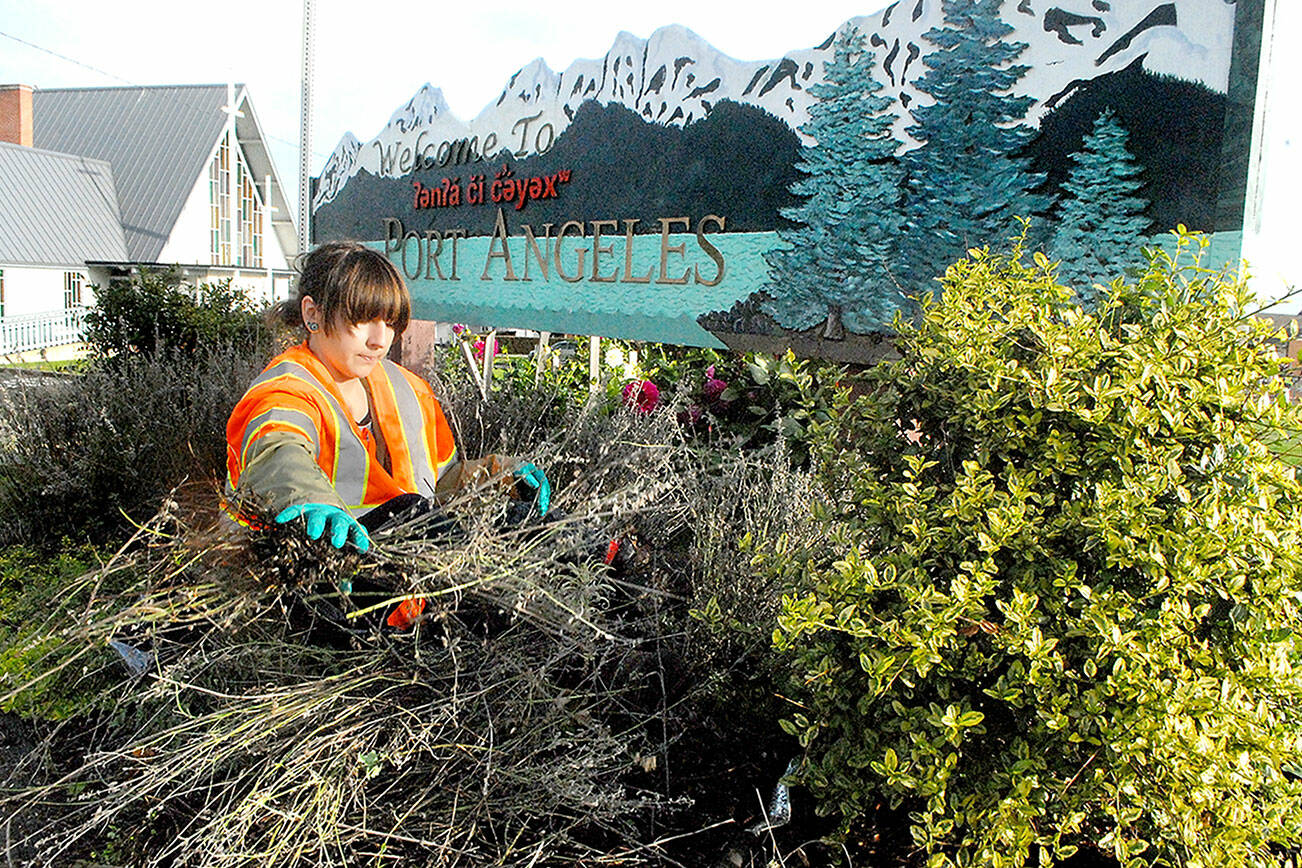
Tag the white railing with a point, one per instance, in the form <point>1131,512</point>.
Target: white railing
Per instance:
<point>38,331</point>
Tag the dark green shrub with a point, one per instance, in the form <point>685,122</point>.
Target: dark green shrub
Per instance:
<point>1058,603</point>
<point>82,455</point>
<point>154,312</point>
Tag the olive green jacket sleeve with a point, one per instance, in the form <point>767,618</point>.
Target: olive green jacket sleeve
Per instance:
<point>280,471</point>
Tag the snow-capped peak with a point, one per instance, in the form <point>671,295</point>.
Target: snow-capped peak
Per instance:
<point>676,37</point>
<point>675,77</point>
<point>420,111</point>
<point>531,84</point>
<point>348,144</point>
<point>341,166</point>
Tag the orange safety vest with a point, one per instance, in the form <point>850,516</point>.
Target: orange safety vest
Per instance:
<point>296,393</point>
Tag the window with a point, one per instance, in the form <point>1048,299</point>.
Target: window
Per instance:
<point>250,221</point>
<point>219,198</point>
<point>72,288</point>
<point>214,206</point>
<point>235,208</point>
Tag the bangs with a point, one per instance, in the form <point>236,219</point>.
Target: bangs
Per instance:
<point>370,288</point>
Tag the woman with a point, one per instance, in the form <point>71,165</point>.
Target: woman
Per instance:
<point>334,432</point>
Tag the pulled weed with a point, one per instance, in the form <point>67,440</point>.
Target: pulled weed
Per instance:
<point>552,705</point>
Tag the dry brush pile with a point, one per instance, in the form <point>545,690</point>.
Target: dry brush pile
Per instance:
<point>237,707</point>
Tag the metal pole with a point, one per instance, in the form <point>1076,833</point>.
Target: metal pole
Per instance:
<point>471,368</point>
<point>1256,181</point>
<point>305,135</point>
<point>540,357</point>
<point>490,353</point>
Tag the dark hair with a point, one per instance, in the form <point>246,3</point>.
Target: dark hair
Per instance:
<point>349,281</point>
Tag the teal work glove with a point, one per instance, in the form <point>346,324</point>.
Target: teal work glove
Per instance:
<point>321,515</point>
<point>531,476</point>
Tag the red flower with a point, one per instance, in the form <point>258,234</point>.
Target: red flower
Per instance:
<point>642,394</point>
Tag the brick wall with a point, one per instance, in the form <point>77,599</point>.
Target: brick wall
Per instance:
<point>16,114</point>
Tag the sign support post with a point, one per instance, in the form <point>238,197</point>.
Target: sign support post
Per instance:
<point>540,357</point>
<point>305,136</point>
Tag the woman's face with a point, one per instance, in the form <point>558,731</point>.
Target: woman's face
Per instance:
<point>352,351</point>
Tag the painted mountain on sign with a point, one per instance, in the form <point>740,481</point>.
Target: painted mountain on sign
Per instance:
<point>675,77</point>
<point>739,155</point>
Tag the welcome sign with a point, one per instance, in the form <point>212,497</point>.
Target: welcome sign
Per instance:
<point>668,192</point>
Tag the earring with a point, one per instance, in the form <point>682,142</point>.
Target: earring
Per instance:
<point>312,326</point>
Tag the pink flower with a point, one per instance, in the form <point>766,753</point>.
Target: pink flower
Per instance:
<point>642,394</point>
<point>479,349</point>
<point>713,387</point>
<point>459,329</point>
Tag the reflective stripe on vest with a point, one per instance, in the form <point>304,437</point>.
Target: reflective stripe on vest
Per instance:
<point>446,462</point>
<point>408,445</point>
<point>282,418</point>
<point>350,464</point>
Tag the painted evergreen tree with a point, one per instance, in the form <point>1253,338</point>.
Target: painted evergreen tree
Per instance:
<point>1102,221</point>
<point>838,267</point>
<point>966,183</point>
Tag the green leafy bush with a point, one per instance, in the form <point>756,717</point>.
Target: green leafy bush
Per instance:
<point>1060,606</point>
<point>754,399</point>
<point>154,311</point>
<point>722,399</point>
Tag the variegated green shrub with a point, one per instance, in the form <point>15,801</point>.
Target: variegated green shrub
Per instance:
<point>1058,603</point>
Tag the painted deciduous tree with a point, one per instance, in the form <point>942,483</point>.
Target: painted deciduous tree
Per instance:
<point>1102,220</point>
<point>966,183</point>
<point>838,267</point>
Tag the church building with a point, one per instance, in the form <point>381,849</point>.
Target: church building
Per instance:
<point>98,182</point>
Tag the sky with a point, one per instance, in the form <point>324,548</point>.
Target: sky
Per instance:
<point>369,60</point>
